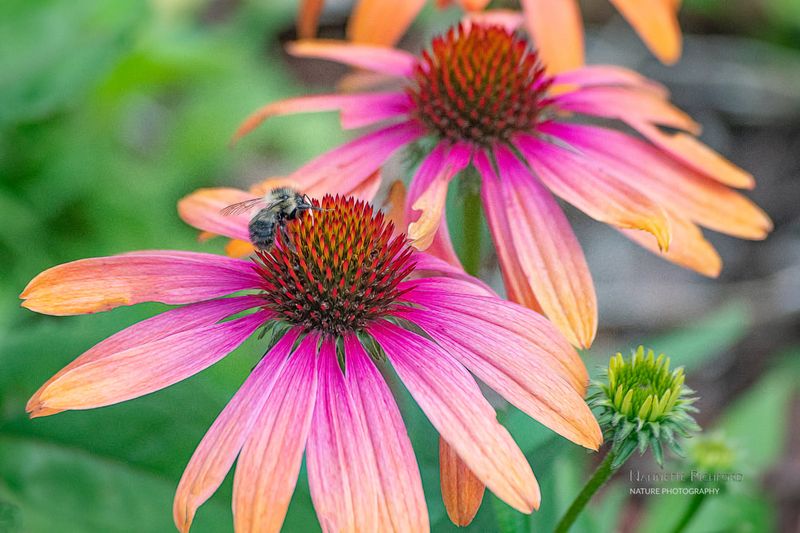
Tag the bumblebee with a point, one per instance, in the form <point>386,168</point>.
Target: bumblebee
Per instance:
<point>281,205</point>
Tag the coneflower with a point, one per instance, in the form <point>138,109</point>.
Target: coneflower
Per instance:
<point>346,295</point>
<point>480,95</point>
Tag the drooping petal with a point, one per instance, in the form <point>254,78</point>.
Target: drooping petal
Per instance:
<point>599,194</point>
<point>344,168</point>
<point>462,491</point>
<point>688,247</point>
<point>163,325</point>
<point>557,30</point>
<point>308,17</point>
<point>357,110</point>
<point>380,22</point>
<point>103,283</point>
<point>375,58</point>
<point>453,403</point>
<point>656,22</point>
<point>608,75</point>
<point>147,367</point>
<point>516,283</point>
<point>678,187</point>
<point>221,444</point>
<point>524,373</point>
<point>547,250</point>
<point>342,475</point>
<point>427,265</point>
<point>463,297</point>
<point>267,470</point>
<point>401,500</point>
<point>202,209</point>
<point>628,105</point>
<point>700,157</point>
<point>428,191</point>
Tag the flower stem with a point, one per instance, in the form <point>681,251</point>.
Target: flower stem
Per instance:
<point>688,514</point>
<point>471,250</point>
<point>600,476</point>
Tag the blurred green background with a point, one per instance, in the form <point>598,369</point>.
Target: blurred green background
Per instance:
<point>112,111</point>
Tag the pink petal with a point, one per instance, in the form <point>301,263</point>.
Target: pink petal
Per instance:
<point>153,329</point>
<point>427,265</point>
<point>453,403</point>
<point>627,105</point>
<point>428,191</point>
<point>448,295</point>
<point>342,474</point>
<point>374,58</point>
<point>697,155</point>
<point>103,283</point>
<point>146,367</point>
<point>547,250</point>
<point>677,187</point>
<point>267,470</point>
<point>525,374</point>
<point>516,283</point>
<point>557,30</point>
<point>357,110</point>
<point>607,75</point>
<point>217,451</point>
<point>401,499</point>
<point>599,194</point>
<point>344,168</point>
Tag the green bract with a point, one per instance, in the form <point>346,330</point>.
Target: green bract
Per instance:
<point>641,403</point>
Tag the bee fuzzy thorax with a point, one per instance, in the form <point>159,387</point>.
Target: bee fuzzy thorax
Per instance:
<point>283,204</point>
<point>335,271</point>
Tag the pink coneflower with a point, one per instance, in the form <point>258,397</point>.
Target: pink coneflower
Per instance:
<point>555,25</point>
<point>341,286</point>
<point>482,96</point>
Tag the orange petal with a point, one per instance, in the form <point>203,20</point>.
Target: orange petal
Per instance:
<point>394,205</point>
<point>656,22</point>
<point>473,5</point>
<point>308,18</point>
<point>556,27</point>
<point>688,249</point>
<point>602,196</point>
<point>237,248</point>
<point>699,156</point>
<point>104,283</point>
<point>381,22</point>
<point>550,258</point>
<point>462,491</point>
<point>202,210</point>
<point>431,204</point>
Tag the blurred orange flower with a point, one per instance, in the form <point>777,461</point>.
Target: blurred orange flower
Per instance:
<point>555,25</point>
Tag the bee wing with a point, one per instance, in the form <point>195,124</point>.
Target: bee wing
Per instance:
<point>241,207</point>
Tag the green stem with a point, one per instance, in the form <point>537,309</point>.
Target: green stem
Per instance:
<point>600,476</point>
<point>688,514</point>
<point>471,256</point>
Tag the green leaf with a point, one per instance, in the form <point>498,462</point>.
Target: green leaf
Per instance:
<point>57,488</point>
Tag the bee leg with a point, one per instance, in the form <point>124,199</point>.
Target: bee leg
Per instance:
<point>287,241</point>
